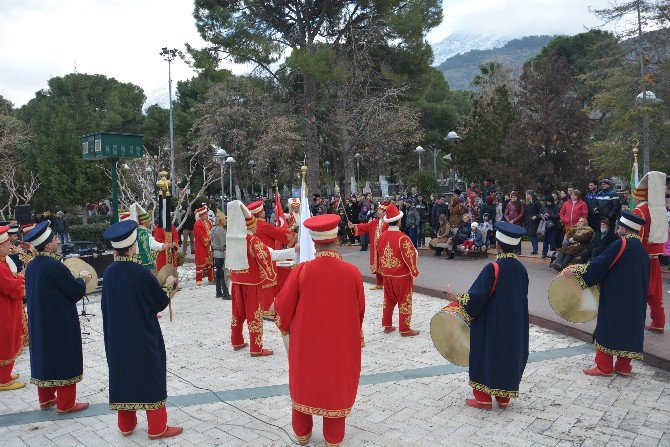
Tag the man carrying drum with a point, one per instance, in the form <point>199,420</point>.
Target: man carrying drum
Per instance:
<point>496,306</point>
<point>622,270</point>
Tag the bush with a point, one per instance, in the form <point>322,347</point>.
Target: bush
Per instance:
<point>73,219</point>
<point>101,219</point>
<point>425,181</point>
<point>89,232</point>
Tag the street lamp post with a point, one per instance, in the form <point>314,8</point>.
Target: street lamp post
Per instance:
<point>646,97</point>
<point>358,168</point>
<point>419,150</point>
<point>220,156</point>
<point>230,161</point>
<point>251,167</point>
<point>169,55</point>
<point>451,137</point>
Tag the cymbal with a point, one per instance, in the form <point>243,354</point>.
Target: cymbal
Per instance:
<point>451,336</point>
<point>571,302</point>
<point>166,271</point>
<point>76,265</point>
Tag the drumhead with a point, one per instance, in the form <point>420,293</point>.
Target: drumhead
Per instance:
<point>76,265</point>
<point>451,336</point>
<point>570,302</point>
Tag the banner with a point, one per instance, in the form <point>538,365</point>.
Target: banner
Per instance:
<point>306,243</point>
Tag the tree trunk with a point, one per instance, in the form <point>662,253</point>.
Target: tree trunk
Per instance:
<point>313,151</point>
<point>345,141</point>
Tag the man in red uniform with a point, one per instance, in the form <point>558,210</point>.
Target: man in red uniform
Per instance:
<point>12,291</point>
<point>166,233</point>
<point>398,265</point>
<point>271,236</point>
<point>324,352</point>
<point>374,228</point>
<point>651,191</point>
<point>250,265</point>
<point>204,257</point>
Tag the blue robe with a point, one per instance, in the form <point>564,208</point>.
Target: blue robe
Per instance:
<point>56,357</point>
<point>498,327</point>
<point>131,298</point>
<point>623,296</point>
<point>17,261</point>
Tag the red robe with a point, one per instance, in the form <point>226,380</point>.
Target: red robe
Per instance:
<point>655,293</point>
<point>271,236</point>
<point>12,292</point>
<point>374,228</point>
<point>204,257</point>
<point>322,306</point>
<point>168,256</point>
<point>398,265</point>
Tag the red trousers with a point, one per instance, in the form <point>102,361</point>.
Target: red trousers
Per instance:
<point>199,272</point>
<point>379,279</point>
<point>6,373</point>
<point>604,363</point>
<point>484,398</point>
<point>398,291</point>
<point>156,419</point>
<point>655,295</point>
<point>65,396</point>
<point>246,305</point>
<point>333,428</point>
<point>267,297</point>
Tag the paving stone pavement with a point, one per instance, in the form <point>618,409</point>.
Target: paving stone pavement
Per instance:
<point>559,406</point>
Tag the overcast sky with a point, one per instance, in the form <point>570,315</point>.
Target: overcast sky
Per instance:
<point>40,39</point>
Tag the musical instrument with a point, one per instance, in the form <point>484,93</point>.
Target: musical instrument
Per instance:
<point>451,335</point>
<point>76,266</point>
<point>571,302</point>
<point>162,275</point>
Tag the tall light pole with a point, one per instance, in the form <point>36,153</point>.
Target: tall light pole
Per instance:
<point>220,156</point>
<point>327,165</point>
<point>169,56</point>
<point>645,98</point>
<point>230,161</point>
<point>251,167</point>
<point>419,150</point>
<point>358,168</point>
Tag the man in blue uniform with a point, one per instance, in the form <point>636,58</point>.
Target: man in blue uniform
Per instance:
<point>622,271</point>
<point>131,298</point>
<point>56,358</point>
<point>496,306</point>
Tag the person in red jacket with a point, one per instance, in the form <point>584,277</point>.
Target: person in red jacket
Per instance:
<point>12,291</point>
<point>273,237</point>
<point>324,351</point>
<point>204,256</point>
<point>573,210</point>
<point>374,228</point>
<point>514,211</point>
<point>398,264</point>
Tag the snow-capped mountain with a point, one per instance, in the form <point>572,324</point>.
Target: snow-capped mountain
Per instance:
<point>459,43</point>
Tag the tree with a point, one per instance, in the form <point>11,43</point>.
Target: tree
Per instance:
<point>74,105</point>
<point>262,33</point>
<point>546,147</point>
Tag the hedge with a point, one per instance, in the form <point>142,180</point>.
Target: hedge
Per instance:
<point>89,232</point>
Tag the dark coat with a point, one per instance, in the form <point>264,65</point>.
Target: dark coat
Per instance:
<point>532,209</point>
<point>499,330</point>
<point>131,298</point>
<point>599,244</point>
<point>623,296</point>
<point>52,293</point>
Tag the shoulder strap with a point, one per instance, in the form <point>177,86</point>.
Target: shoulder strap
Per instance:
<point>496,269</point>
<point>618,255</point>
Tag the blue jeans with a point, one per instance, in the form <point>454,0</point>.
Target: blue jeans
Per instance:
<point>413,232</point>
<point>533,241</point>
<point>549,242</point>
<point>64,239</point>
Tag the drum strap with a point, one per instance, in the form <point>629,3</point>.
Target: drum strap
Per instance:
<point>621,250</point>
<point>496,268</point>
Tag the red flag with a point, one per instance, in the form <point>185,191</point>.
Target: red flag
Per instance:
<point>280,218</point>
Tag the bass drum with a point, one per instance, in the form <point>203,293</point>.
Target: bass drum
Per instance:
<point>451,336</point>
<point>571,302</point>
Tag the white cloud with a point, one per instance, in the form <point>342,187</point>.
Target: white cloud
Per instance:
<point>516,18</point>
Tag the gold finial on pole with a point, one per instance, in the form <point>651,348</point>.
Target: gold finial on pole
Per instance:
<point>635,149</point>
<point>163,184</point>
<point>303,169</point>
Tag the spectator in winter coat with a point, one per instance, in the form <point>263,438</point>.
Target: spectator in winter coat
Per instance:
<point>456,212</point>
<point>531,220</point>
<point>573,210</point>
<point>488,188</point>
<point>549,213</point>
<point>591,200</point>
<point>412,221</point>
<point>514,211</point>
<point>608,201</point>
<point>579,239</point>
<point>422,208</point>
<point>463,232</point>
<point>439,208</point>
<point>600,242</point>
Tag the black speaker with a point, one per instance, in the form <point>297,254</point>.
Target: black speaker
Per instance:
<point>23,214</point>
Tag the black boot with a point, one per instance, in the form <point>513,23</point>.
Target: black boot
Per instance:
<point>566,260</point>
<point>226,295</point>
<point>557,259</point>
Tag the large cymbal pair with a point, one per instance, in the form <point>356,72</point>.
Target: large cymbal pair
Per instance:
<point>571,302</point>
<point>76,266</point>
<point>162,275</point>
<point>451,336</point>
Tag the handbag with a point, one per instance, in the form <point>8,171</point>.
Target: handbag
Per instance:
<point>541,229</point>
<point>550,225</point>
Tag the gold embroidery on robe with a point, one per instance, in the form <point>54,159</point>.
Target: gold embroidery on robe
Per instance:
<point>388,260</point>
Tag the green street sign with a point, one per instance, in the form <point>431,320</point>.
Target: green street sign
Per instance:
<point>106,145</point>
